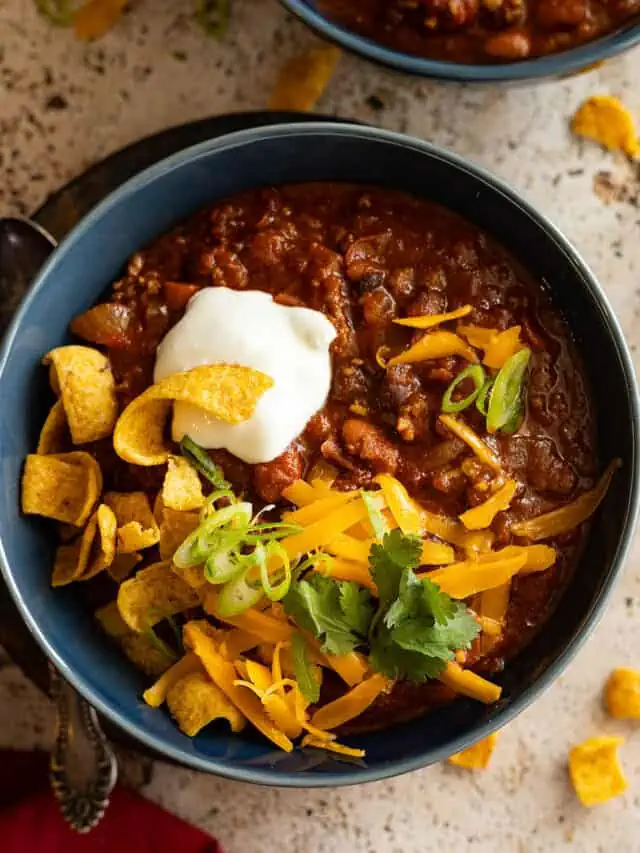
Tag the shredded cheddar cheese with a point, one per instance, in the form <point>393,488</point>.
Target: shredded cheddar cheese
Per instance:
<point>434,345</point>
<point>428,321</point>
<point>479,447</point>
<point>482,516</point>
<point>469,684</point>
<point>351,704</point>
<point>462,580</point>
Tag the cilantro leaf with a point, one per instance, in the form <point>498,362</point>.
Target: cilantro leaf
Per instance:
<point>441,605</point>
<point>417,628</point>
<point>393,661</point>
<point>357,606</point>
<point>389,559</point>
<point>304,670</point>
<point>331,611</point>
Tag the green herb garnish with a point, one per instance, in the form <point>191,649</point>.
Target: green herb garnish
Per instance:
<point>476,374</point>
<point>336,612</point>
<point>202,462</point>
<point>305,671</point>
<point>416,629</point>
<point>506,403</point>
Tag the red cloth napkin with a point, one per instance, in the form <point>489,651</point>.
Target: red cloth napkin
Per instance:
<point>30,821</point>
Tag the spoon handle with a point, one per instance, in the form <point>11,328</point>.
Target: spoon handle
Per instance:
<point>82,768</point>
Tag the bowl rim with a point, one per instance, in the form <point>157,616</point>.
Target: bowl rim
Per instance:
<point>565,63</point>
<point>503,715</point>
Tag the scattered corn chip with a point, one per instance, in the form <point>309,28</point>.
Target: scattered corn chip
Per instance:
<point>141,649</point>
<point>227,392</point>
<point>595,772</point>
<point>123,565</point>
<point>174,529</point>
<point>96,17</point>
<point>137,528</point>
<point>153,594</point>
<point>87,390</point>
<point>607,121</point>
<point>622,694</point>
<point>157,693</point>
<point>194,701</point>
<point>182,489</point>
<point>303,79</point>
<point>478,756</point>
<point>54,436</point>
<point>99,543</point>
<point>64,486</point>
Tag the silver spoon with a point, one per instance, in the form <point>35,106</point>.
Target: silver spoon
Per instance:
<point>82,766</point>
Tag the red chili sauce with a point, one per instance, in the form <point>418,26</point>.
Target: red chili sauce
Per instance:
<point>365,256</point>
<point>481,31</point>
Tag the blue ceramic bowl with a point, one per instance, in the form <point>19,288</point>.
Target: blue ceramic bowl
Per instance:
<point>93,256</point>
<point>562,64</point>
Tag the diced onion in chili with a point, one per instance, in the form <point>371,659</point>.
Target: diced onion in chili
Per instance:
<point>473,372</point>
<point>428,321</point>
<point>570,516</point>
<point>506,401</point>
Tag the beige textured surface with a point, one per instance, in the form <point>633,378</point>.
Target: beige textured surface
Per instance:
<point>65,105</point>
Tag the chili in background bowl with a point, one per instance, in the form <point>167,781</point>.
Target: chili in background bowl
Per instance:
<point>331,20</point>
<point>93,256</point>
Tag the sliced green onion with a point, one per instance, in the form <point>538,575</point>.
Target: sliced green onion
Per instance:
<point>377,519</point>
<point>209,505</point>
<point>222,565</point>
<point>482,400</point>
<point>304,670</point>
<point>270,531</point>
<point>202,462</point>
<point>474,372</point>
<point>506,405</point>
<point>278,591</point>
<point>197,546</point>
<point>213,16</point>
<point>238,595</point>
<point>58,12</point>
<point>311,562</point>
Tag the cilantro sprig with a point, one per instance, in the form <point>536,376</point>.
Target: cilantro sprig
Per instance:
<point>416,628</point>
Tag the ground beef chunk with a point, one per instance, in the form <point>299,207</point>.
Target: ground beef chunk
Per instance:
<point>400,382</point>
<point>370,444</point>
<point>547,471</point>
<point>350,383</point>
<point>270,478</point>
<point>413,418</point>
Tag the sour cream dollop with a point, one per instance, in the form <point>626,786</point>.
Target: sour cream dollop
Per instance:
<point>289,344</point>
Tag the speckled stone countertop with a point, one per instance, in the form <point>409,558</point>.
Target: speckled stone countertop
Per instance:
<point>64,105</point>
